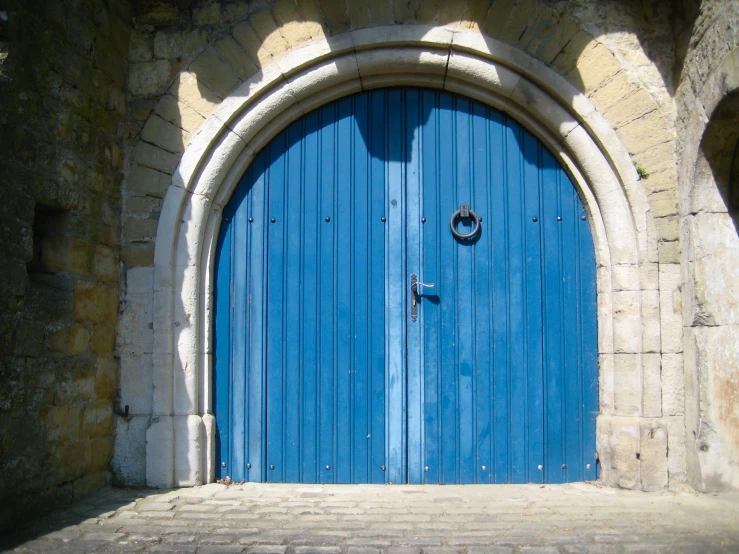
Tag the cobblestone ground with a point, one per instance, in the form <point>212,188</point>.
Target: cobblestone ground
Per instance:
<point>375,519</point>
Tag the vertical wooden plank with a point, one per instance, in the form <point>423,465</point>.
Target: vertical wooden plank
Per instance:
<point>465,298</point>
<point>396,288</point>
<point>309,301</point>
<point>254,248</point>
<point>435,225</point>
<point>588,343</point>
<point>498,226</point>
<point>326,320</point>
<point>534,456</point>
<point>552,319</point>
<point>344,277</point>
<point>293,283</point>
<point>360,299</point>
<point>275,309</point>
<point>410,155</point>
<point>378,238</point>
<point>571,362</point>
<point>448,379</point>
<point>516,299</point>
<point>240,366</point>
<point>482,152</point>
<point>222,345</point>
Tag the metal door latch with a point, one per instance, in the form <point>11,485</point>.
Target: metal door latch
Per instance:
<point>415,293</point>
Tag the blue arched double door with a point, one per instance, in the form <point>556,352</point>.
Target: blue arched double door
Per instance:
<point>329,368</point>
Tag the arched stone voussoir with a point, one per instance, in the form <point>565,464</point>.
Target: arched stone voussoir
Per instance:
<point>458,60</point>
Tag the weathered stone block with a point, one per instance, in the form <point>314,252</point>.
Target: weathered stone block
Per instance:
<point>334,14</point>
<point>712,360</point>
<point>195,94</point>
<point>246,37</point>
<point>713,293</point>
<point>136,389</point>
<point>102,452</point>
<point>667,228</point>
<point>627,384</point>
<point>625,277</point>
<point>269,33</point>
<point>208,13</point>
<point>63,253</point>
<point>135,326</point>
<point>146,206</point>
<point>135,229</point>
<point>153,157</point>
<point>358,14</point>
<point>129,464</point>
<point>142,47</point>
<point>140,280</point>
<point>105,265</point>
<point>236,57</point>
<point>645,132</point>
<point>652,385</point>
<point>593,67</point>
<point>29,339</point>
<point>613,91</point>
<point>70,340</point>
<point>676,448</point>
<point>216,74</point>
<point>665,180</point>
<point>627,109</point>
<point>653,456</point>
<point>669,252</point>
<point>670,296</point>
<point>179,114</point>
<point>627,329</point>
<point>171,45</point>
<point>96,303</point>
<point>606,383</point>
<point>148,181</point>
<point>165,135</point>
<point>148,78</point>
<point>567,58</point>
<point>651,326</point>
<point>138,254</point>
<point>620,463</point>
<point>673,385</point>
<point>659,161</point>
<point>106,373</point>
<point>103,338</point>
<point>160,14</point>
<point>663,203</point>
<point>55,421</point>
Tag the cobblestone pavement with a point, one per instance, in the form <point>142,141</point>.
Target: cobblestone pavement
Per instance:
<point>374,519</point>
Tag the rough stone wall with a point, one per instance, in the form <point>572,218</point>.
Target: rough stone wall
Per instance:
<point>707,109</point>
<point>62,76</point>
<point>186,58</point>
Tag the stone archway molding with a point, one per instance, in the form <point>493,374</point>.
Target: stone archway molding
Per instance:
<point>181,434</point>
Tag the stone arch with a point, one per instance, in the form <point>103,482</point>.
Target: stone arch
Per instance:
<point>180,436</point>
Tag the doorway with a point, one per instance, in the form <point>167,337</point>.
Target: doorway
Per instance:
<point>405,292</point>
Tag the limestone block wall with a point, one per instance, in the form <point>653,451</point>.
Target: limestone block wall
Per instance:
<point>708,103</point>
<point>62,83</point>
<point>184,62</point>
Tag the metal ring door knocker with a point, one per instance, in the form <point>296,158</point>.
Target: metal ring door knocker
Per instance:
<point>464,212</point>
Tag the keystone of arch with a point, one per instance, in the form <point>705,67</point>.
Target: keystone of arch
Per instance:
<point>181,438</point>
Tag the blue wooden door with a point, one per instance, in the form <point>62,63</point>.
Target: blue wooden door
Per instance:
<point>325,371</point>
